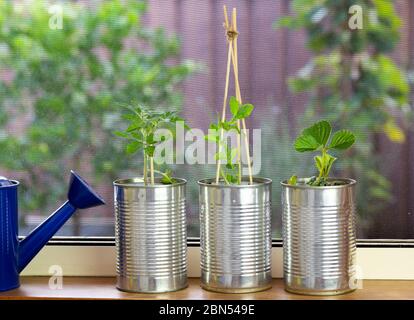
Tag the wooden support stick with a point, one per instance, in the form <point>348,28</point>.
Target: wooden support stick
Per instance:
<point>232,59</point>
<point>238,93</point>
<point>223,113</point>
<point>239,163</point>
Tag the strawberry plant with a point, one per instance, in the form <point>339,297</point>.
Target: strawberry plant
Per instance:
<point>319,137</point>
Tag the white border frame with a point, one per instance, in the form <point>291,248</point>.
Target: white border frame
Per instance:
<point>88,260</point>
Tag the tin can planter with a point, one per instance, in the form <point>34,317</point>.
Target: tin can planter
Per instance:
<point>319,242</point>
<point>151,236</point>
<point>235,236</point>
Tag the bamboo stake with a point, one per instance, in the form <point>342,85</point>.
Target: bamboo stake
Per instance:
<point>239,176</point>
<point>239,164</point>
<point>238,93</point>
<point>223,114</point>
<point>226,18</point>
<point>232,59</point>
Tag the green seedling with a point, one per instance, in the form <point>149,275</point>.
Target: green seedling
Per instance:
<point>231,172</point>
<point>318,138</point>
<point>140,134</point>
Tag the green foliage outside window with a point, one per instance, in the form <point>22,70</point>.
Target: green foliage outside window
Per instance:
<point>66,85</point>
<point>353,83</point>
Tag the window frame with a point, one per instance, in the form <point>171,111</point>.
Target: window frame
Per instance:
<point>195,241</point>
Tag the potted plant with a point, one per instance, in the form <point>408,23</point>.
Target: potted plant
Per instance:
<point>319,242</point>
<point>235,210</point>
<point>150,213</point>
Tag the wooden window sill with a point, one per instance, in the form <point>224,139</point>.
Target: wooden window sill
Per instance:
<point>100,288</point>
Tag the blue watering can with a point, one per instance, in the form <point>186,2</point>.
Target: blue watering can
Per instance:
<point>15,255</point>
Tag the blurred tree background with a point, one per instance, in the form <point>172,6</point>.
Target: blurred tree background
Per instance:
<point>352,82</point>
<point>61,89</point>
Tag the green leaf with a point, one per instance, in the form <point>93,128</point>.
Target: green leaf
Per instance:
<point>231,154</point>
<point>132,127</point>
<point>150,150</point>
<point>234,106</point>
<point>167,178</point>
<point>230,166</point>
<point>342,140</point>
<point>245,111</point>
<point>393,79</point>
<point>212,137</point>
<point>285,22</point>
<point>121,134</point>
<point>128,117</point>
<point>229,125</point>
<point>393,131</point>
<point>320,131</point>
<point>136,135</point>
<point>329,160</point>
<point>133,147</point>
<point>306,143</point>
<point>319,163</point>
<point>220,156</point>
<point>324,164</point>
<point>150,139</point>
<point>293,180</point>
<point>231,178</point>
<point>313,137</point>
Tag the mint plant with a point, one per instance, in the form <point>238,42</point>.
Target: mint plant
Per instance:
<point>140,134</point>
<point>318,138</point>
<point>231,173</point>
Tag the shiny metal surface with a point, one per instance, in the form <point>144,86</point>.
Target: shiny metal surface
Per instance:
<point>151,236</point>
<point>235,236</point>
<point>319,243</point>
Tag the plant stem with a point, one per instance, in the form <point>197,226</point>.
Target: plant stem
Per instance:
<point>239,163</point>
<point>322,173</point>
<point>166,176</point>
<point>145,169</point>
<point>152,170</point>
<point>224,177</point>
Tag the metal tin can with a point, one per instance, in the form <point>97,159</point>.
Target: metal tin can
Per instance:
<point>151,236</point>
<point>235,236</point>
<point>319,242</point>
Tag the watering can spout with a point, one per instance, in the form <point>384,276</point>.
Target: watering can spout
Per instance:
<point>80,196</point>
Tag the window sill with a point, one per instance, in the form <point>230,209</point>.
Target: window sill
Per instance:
<point>374,263</point>
<point>100,288</point>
